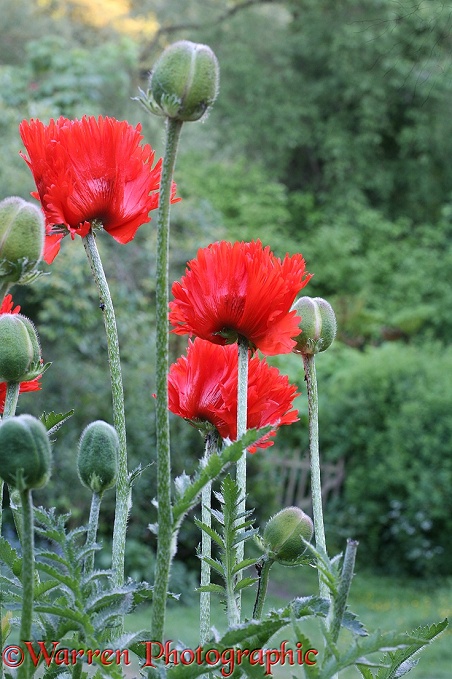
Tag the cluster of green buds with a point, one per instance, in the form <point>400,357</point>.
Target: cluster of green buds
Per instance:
<point>97,459</point>
<point>22,235</point>
<point>20,350</point>
<point>183,84</point>
<point>25,453</point>
<point>318,325</point>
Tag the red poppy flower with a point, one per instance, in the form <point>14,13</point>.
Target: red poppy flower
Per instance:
<point>91,171</point>
<point>31,385</point>
<point>7,307</point>
<point>202,388</point>
<point>240,289</point>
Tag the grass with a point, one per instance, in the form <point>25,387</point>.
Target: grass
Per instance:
<point>380,602</point>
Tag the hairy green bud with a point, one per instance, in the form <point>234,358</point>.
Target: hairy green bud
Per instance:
<point>22,234</point>
<point>283,533</point>
<point>25,453</point>
<point>184,81</point>
<point>318,325</point>
<point>20,351</point>
<point>97,460</point>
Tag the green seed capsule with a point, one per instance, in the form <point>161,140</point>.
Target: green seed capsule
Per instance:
<point>184,81</point>
<point>22,234</point>
<point>16,348</point>
<point>25,453</point>
<point>97,460</point>
<point>318,325</point>
<point>283,533</point>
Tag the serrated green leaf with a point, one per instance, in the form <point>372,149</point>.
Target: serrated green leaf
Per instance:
<point>213,563</point>
<point>210,531</point>
<point>53,421</point>
<point>396,661</point>
<point>211,588</point>
<point>365,672</point>
<point>378,641</point>
<point>245,582</point>
<point>246,563</point>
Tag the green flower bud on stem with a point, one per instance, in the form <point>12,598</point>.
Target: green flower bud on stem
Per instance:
<point>184,81</point>
<point>25,453</point>
<point>22,234</point>
<point>20,351</point>
<point>97,460</point>
<point>318,325</point>
<point>283,533</point>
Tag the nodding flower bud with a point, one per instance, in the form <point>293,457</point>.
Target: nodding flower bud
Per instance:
<point>97,460</point>
<point>283,533</point>
<point>20,351</point>
<point>25,453</point>
<point>22,234</point>
<point>318,325</point>
<point>184,81</point>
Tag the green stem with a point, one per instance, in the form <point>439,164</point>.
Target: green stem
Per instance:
<point>265,565</point>
<point>316,484</point>
<point>212,443</point>
<point>123,489</point>
<point>91,535</point>
<point>164,547</point>
<point>242,420</point>
<point>12,395</point>
<point>27,577</point>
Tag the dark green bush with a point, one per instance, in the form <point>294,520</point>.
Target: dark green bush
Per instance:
<point>388,412</point>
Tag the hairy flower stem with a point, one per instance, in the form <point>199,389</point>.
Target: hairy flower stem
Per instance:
<point>165,521</point>
<point>212,444</point>
<point>316,485</point>
<point>264,571</point>
<point>242,420</point>
<point>91,535</point>
<point>12,394</point>
<point>123,488</point>
<point>28,573</point>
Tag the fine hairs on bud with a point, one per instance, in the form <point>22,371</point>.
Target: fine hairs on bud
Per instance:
<point>97,460</point>
<point>25,452</point>
<point>20,351</point>
<point>318,325</point>
<point>183,84</point>
<point>22,233</point>
<point>284,532</point>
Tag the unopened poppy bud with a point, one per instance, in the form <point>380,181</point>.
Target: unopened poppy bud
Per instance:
<point>20,352</point>
<point>283,533</point>
<point>318,325</point>
<point>184,81</point>
<point>22,234</point>
<point>25,453</point>
<point>97,460</point>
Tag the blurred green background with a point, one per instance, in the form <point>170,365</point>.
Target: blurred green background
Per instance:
<point>331,136</point>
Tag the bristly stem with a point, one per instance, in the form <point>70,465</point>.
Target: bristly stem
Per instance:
<point>164,551</point>
<point>123,488</point>
<point>242,420</point>
<point>91,534</point>
<point>27,577</point>
<point>12,394</point>
<point>316,485</point>
<point>264,571</point>
<point>212,444</point>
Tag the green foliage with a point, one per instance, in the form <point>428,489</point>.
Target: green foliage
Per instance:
<point>387,411</point>
<point>235,528</point>
<point>78,609</point>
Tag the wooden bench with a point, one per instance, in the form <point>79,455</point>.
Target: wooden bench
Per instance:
<point>292,474</point>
